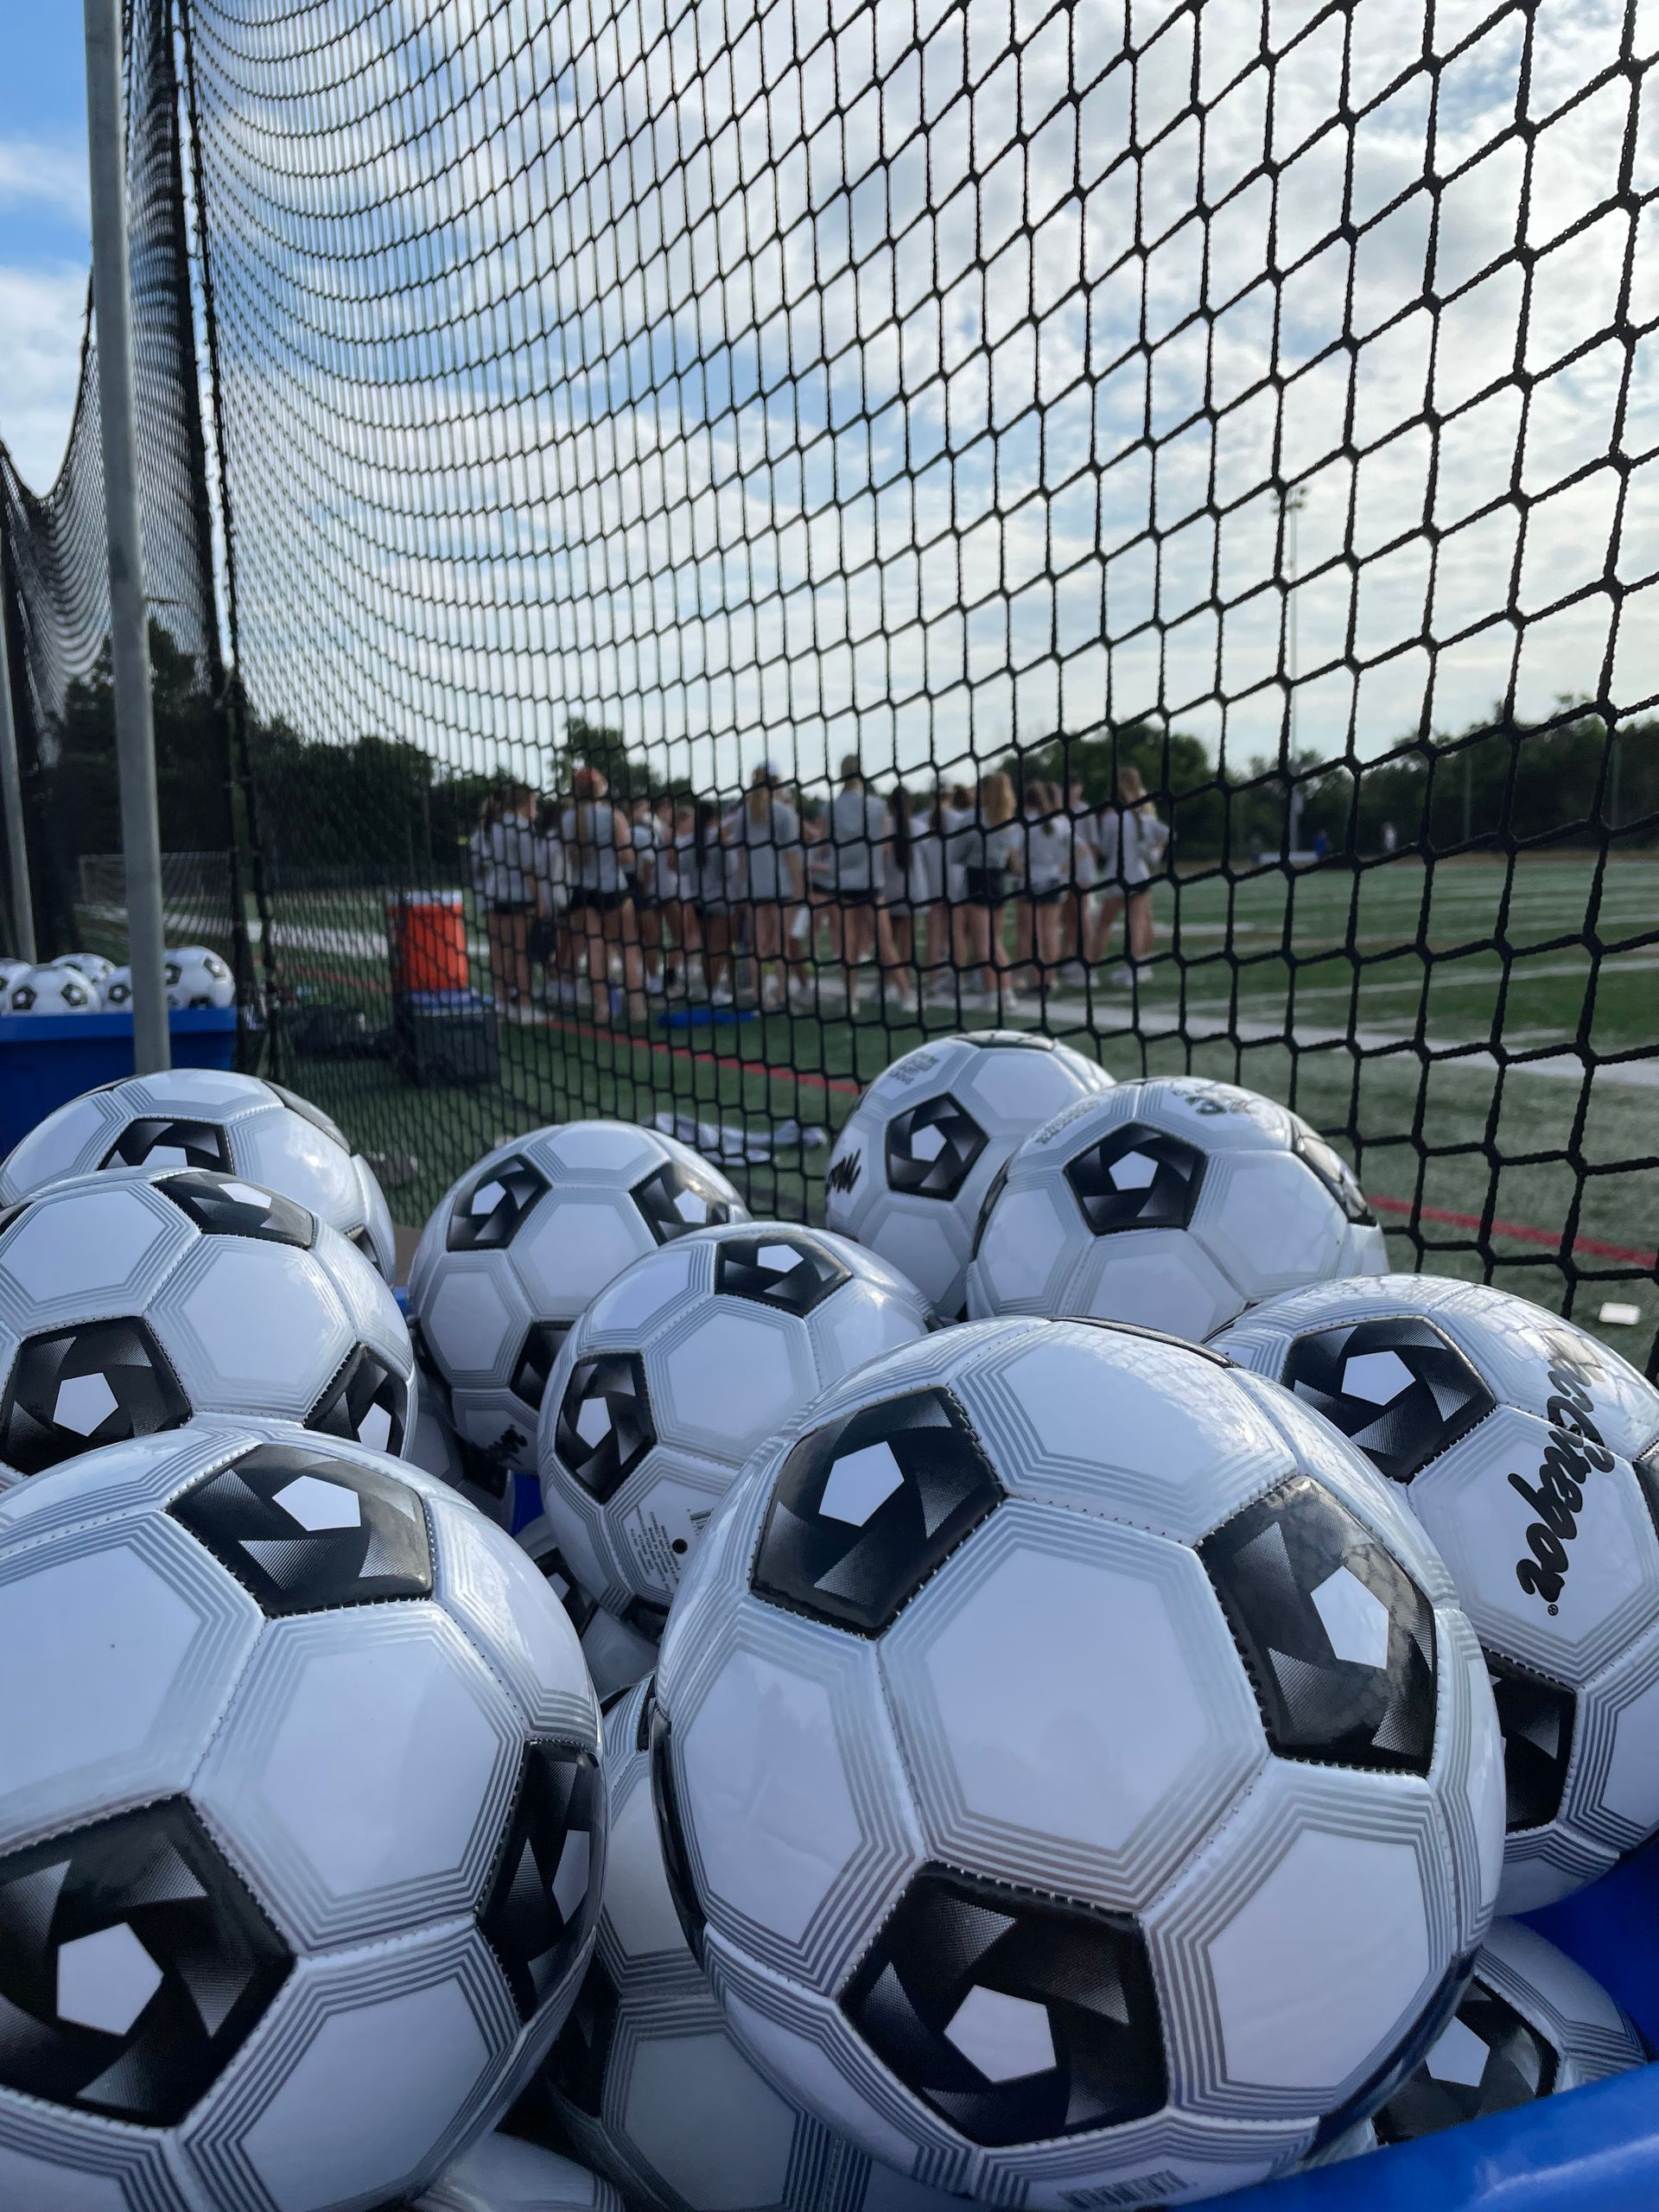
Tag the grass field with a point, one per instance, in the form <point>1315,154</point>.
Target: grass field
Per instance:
<point>1437,1019</point>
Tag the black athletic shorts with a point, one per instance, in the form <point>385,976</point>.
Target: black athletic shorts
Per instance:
<point>986,887</point>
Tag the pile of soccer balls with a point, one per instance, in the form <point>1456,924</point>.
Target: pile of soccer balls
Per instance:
<point>1067,1754</point>
<point>85,983</point>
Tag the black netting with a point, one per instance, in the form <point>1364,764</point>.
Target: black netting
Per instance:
<point>56,590</point>
<point>1236,427</point>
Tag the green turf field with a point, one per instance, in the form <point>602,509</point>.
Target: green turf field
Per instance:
<point>1382,1005</point>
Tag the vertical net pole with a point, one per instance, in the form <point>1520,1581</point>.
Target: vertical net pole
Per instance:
<point>135,734</point>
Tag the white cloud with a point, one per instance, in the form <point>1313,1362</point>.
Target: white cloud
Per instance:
<point>42,312</point>
<point>34,173</point>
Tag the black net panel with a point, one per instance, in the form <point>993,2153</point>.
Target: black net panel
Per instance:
<point>56,590</point>
<point>1235,426</point>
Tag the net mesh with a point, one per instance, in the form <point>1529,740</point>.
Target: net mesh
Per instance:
<point>1238,426</point>
<point>54,587</point>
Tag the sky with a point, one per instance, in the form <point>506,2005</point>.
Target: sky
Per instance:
<point>44,242</point>
<point>770,382</point>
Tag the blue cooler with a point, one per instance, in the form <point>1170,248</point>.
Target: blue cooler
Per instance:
<point>45,1059</point>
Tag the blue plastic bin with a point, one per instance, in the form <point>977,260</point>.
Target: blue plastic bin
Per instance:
<point>49,1059</point>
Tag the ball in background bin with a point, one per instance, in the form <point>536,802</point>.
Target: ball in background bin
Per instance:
<point>134,1304</point>
<point>1077,1775</point>
<point>927,1140</point>
<point>516,1249</point>
<point>51,990</point>
<point>302,1826</point>
<point>1530,1453</point>
<point>91,967</point>
<point>194,976</point>
<point>1174,1202</point>
<point>207,1117</point>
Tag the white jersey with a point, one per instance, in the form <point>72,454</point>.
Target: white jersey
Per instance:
<point>1132,841</point>
<point>506,862</point>
<point>1048,854</point>
<point>767,849</point>
<point>858,828</point>
<point>1085,846</point>
<point>927,860</point>
<point>588,832</point>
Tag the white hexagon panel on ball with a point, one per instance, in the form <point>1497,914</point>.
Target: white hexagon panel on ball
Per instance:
<point>1529,1451</point>
<point>132,1304</point>
<point>517,1249</point>
<point>1174,1204</point>
<point>913,1164</point>
<point>689,1362</point>
<point>301,1841</point>
<point>1075,1775</point>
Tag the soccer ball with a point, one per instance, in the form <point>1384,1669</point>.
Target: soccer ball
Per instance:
<point>9,971</point>
<point>131,1304</point>
<point>645,2081</point>
<point>1076,1769</point>
<point>1174,1202</point>
<point>687,1362</point>
<point>515,1250</point>
<point>912,1167</point>
<point>619,1654</point>
<point>435,1449</point>
<point>1530,1453</point>
<point>195,977</point>
<point>116,990</point>
<point>502,2174</point>
<point>1532,2024</point>
<point>301,1826</point>
<point>51,990</point>
<point>91,966</point>
<point>206,1118</point>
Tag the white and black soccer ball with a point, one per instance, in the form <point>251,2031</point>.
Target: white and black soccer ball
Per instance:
<point>195,976</point>
<point>515,1250</point>
<point>503,2173</point>
<point>619,1653</point>
<point>1076,1769</point>
<point>1530,1453</point>
<point>1532,2024</point>
<point>1173,1204</point>
<point>646,2081</point>
<point>91,967</point>
<point>912,1164</point>
<point>683,1368</point>
<point>208,1117</point>
<point>52,990</point>
<point>132,1304</point>
<point>116,990</point>
<point>9,971</point>
<point>301,1826</point>
<point>435,1449</point>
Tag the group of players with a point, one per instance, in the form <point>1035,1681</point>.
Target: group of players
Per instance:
<point>959,891</point>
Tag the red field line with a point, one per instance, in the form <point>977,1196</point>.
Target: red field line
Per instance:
<point>1593,1245</point>
<point>812,1080</point>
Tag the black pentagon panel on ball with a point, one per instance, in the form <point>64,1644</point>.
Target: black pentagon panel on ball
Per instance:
<point>308,1112</point>
<point>1136,1177</point>
<point>537,1357</point>
<point>1538,1720</point>
<point>1396,1385</point>
<point>304,1530</point>
<point>865,1509</point>
<point>490,1211</point>
<point>932,1148</point>
<point>676,1201</point>
<point>604,1428</point>
<point>791,1273</point>
<point>578,2063</point>
<point>555,1570</point>
<point>1338,1177</point>
<point>73,1389</point>
<point>1016,2018</point>
<point>1338,1640</point>
<point>223,1206</point>
<point>166,1141</point>
<point>670,1831</point>
<point>542,1899</point>
<point>1453,2083</point>
<point>134,1964</point>
<point>367,1402</point>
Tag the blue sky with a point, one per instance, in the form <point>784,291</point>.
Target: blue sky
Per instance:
<point>43,234</point>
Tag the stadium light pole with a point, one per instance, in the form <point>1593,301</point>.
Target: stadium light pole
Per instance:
<point>134,730</point>
<point>11,793</point>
